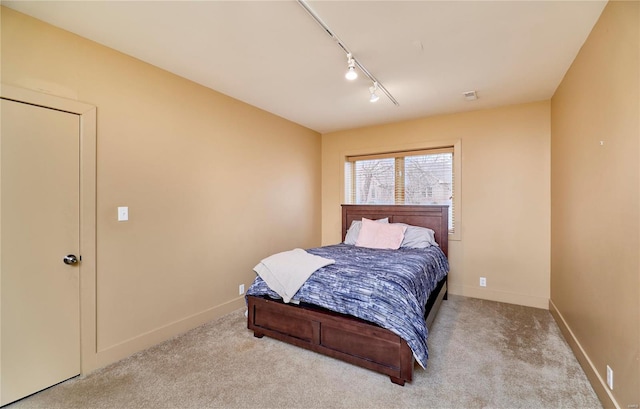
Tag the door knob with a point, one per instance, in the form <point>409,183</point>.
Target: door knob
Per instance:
<point>70,259</point>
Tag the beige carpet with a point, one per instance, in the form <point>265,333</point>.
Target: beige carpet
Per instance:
<point>483,354</point>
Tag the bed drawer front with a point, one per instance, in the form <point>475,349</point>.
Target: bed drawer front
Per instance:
<point>379,348</point>
<point>271,318</point>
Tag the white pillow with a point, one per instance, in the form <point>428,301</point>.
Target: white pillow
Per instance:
<point>380,235</point>
<point>354,230</point>
<point>418,237</point>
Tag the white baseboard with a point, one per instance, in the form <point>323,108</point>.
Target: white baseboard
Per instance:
<point>138,343</point>
<point>599,385</point>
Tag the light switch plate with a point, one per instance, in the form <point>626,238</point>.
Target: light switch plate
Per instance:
<point>123,213</point>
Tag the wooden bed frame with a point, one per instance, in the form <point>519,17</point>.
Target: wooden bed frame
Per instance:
<point>345,337</point>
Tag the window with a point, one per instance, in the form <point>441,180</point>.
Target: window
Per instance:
<point>409,177</point>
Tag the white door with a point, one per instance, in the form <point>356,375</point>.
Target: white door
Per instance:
<point>39,226</point>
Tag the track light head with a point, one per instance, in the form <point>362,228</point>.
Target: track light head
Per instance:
<point>351,68</point>
<point>351,74</point>
<point>374,97</point>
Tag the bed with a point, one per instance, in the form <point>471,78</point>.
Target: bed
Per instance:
<point>346,337</point>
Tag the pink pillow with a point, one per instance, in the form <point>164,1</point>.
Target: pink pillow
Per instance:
<point>380,235</point>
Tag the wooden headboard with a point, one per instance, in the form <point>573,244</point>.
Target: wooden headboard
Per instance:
<point>434,217</point>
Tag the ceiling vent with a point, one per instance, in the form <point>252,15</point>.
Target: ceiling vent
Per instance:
<point>470,95</point>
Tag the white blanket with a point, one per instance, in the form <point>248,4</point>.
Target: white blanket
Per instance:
<point>285,272</point>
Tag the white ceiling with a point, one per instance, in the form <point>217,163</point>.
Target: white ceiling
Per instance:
<point>273,55</point>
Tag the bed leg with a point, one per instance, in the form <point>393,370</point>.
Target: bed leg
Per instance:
<point>397,381</point>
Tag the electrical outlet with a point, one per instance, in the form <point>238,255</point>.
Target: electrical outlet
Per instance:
<point>483,281</point>
<point>241,289</point>
<point>610,377</point>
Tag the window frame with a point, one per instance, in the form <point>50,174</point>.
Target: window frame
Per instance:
<point>409,150</point>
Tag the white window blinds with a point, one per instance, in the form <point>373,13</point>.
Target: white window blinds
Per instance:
<point>409,177</point>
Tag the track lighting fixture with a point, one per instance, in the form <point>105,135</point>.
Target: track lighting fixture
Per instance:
<point>372,90</point>
<point>352,62</point>
<point>351,68</point>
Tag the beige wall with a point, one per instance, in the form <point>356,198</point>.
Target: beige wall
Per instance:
<point>211,184</point>
<point>505,203</point>
<point>164,146</point>
<point>595,270</point>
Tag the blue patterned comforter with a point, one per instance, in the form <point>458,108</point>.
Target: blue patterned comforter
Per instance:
<point>386,287</point>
